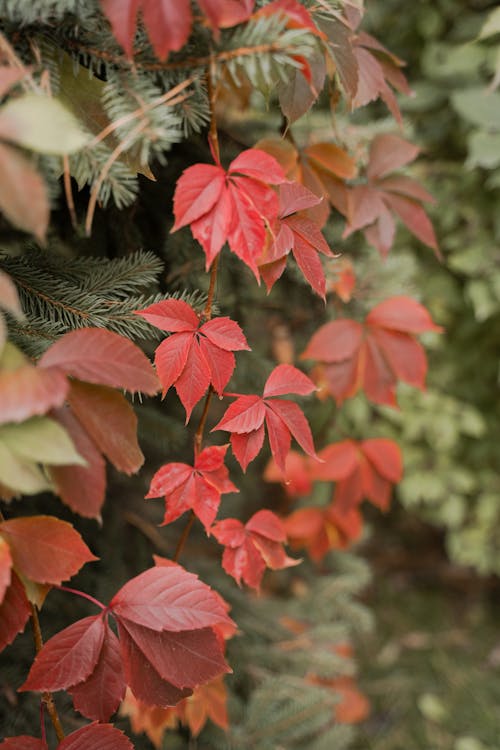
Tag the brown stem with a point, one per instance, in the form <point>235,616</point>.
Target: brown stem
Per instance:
<point>47,698</point>
<point>68,192</point>
<point>184,536</point>
<point>207,312</point>
<point>212,99</point>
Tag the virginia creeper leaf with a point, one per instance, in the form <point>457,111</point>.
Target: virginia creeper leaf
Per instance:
<point>99,356</point>
<point>14,612</point>
<point>93,736</point>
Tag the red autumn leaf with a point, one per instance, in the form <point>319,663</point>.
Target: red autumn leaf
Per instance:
<point>142,677</point>
<point>233,206</point>
<point>14,612</point>
<point>185,659</point>
<point>372,206</point>
<point>69,657</point>
<point>322,168</point>
<point>45,549</point>
<point>27,391</point>
<point>81,488</point>
<point>245,418</point>
<point>344,281</point>
<point>110,421</point>
<point>168,23</point>
<point>23,742</point>
<point>195,355</point>
<point>93,736</point>
<point>152,720</point>
<point>99,356</point>
<point>100,694</point>
<point>198,488</point>
<point>5,568</point>
<point>296,479</point>
<point>168,598</point>
<point>297,234</point>
<point>373,356</point>
<point>252,547</point>
<point>228,13</point>
<point>168,644</point>
<point>207,702</point>
<point>319,530</point>
<point>361,470</point>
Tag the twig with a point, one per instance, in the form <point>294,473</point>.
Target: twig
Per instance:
<point>47,698</point>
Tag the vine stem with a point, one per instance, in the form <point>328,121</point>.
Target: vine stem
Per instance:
<point>207,312</point>
<point>47,698</point>
<point>82,594</point>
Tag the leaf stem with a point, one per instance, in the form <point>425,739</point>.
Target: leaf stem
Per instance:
<point>47,698</point>
<point>184,536</point>
<point>82,594</point>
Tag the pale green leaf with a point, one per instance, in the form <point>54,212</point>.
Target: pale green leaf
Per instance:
<point>42,440</point>
<point>20,476</point>
<point>41,124</point>
<point>492,25</point>
<point>479,106</point>
<point>484,149</point>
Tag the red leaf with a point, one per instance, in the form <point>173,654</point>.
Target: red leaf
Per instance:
<point>221,206</point>
<point>226,14</point>
<point>111,423</point>
<point>168,599</point>
<point>402,314</point>
<point>93,736</point>
<point>385,455</point>
<point>198,488</point>
<point>267,524</point>
<point>142,677</point>
<point>23,742</point>
<point>29,391</point>
<point>122,16</point>
<point>414,218</point>
<point>168,23</point>
<point>279,438</point>
<point>376,355</point>
<point>184,659</point>
<point>99,696</point>
<point>220,363</point>
<point>389,152</point>
<point>5,568</point>
<point>14,612</point>
<point>192,383</point>
<point>68,658</point>
<point>295,197</point>
<point>251,547</point>
<point>247,446</point>
<point>173,315</point>
<point>225,334</point>
<point>45,549</point>
<point>340,460</point>
<point>296,479</point>
<point>286,379</point>
<point>334,341</point>
<point>246,414</point>
<point>171,357</point>
<point>81,488</point>
<point>258,164</point>
<point>296,422</point>
<point>99,356</point>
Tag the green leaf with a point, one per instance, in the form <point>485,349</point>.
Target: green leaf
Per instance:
<point>478,106</point>
<point>20,476</point>
<point>41,124</point>
<point>484,149</point>
<point>491,26</point>
<point>42,440</point>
